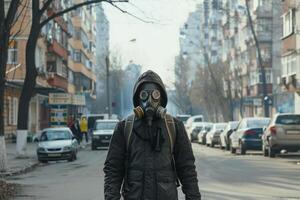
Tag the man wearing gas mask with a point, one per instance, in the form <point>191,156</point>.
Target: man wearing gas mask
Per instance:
<point>150,154</point>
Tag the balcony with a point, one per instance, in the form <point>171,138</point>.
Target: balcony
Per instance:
<point>58,49</point>
<point>58,81</point>
<point>291,83</point>
<point>257,90</point>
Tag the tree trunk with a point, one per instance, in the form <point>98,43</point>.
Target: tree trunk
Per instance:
<point>27,92</point>
<point>263,72</point>
<point>3,56</point>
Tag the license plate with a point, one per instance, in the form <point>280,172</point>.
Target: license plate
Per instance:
<point>54,154</point>
<point>106,141</point>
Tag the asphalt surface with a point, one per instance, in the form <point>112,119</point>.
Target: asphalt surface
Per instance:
<point>221,176</point>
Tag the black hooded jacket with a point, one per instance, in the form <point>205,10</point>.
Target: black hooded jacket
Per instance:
<point>149,174</point>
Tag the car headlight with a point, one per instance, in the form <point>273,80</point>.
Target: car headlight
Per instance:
<point>67,148</point>
<point>41,149</point>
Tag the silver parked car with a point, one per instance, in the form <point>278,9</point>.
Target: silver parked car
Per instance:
<point>283,133</point>
<point>57,144</point>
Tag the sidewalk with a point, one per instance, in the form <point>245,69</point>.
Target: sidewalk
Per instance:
<point>17,165</point>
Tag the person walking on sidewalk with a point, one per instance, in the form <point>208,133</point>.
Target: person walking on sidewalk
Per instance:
<point>84,128</point>
<point>150,154</point>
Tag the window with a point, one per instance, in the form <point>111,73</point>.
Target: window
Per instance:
<point>15,111</point>
<point>12,53</point>
<point>9,109</point>
<point>289,66</point>
<point>288,23</point>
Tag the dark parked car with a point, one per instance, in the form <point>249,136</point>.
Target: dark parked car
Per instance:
<point>103,132</point>
<point>248,134</point>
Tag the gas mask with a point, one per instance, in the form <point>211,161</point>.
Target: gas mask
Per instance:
<point>150,103</point>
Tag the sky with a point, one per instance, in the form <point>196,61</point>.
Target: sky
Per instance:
<point>152,44</point>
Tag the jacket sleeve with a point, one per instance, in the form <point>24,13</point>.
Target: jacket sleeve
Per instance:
<point>185,163</point>
<point>114,165</point>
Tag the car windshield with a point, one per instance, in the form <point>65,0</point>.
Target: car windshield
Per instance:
<point>105,125</point>
<point>199,119</point>
<point>257,123</point>
<point>288,120</point>
<point>52,135</point>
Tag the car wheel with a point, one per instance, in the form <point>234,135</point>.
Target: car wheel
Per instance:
<point>227,147</point>
<point>232,150</point>
<point>265,151</point>
<point>203,141</point>
<point>271,152</point>
<point>43,161</point>
<point>242,149</point>
<point>75,156</point>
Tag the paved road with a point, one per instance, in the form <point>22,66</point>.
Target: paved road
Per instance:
<point>222,176</point>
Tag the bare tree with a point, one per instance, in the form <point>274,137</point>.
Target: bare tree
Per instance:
<point>260,62</point>
<point>182,85</point>
<point>28,90</point>
<point>7,20</point>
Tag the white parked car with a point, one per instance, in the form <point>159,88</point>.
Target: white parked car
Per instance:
<point>189,123</point>
<point>57,144</point>
<point>213,136</point>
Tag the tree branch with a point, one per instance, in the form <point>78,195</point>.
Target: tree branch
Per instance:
<point>130,14</point>
<point>45,6</point>
<point>13,8</point>
<point>60,13</point>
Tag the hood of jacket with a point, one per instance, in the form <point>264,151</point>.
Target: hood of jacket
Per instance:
<point>149,77</point>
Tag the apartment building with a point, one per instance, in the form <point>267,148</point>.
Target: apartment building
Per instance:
<point>66,63</point>
<point>240,52</point>
<point>289,100</point>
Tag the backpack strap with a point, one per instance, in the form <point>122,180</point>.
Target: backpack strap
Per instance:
<point>128,129</point>
<point>171,129</point>
<point>170,125</point>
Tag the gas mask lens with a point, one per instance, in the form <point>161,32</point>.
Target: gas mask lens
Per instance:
<point>156,95</point>
<point>144,95</point>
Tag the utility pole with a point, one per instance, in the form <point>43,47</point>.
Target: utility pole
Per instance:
<point>265,98</point>
<point>107,86</point>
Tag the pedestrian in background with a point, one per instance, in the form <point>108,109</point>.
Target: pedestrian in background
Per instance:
<point>84,128</point>
<point>75,128</point>
<point>150,154</point>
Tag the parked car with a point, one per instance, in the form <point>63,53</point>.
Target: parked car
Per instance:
<point>57,144</point>
<point>183,118</point>
<point>224,137</point>
<point>203,132</point>
<point>189,123</point>
<point>283,132</point>
<point>103,132</point>
<point>248,134</point>
<point>212,137</point>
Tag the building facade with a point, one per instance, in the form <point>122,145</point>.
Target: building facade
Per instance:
<point>65,58</point>
<point>288,81</point>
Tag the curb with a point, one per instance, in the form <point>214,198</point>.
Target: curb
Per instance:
<point>31,166</point>
<point>28,168</point>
